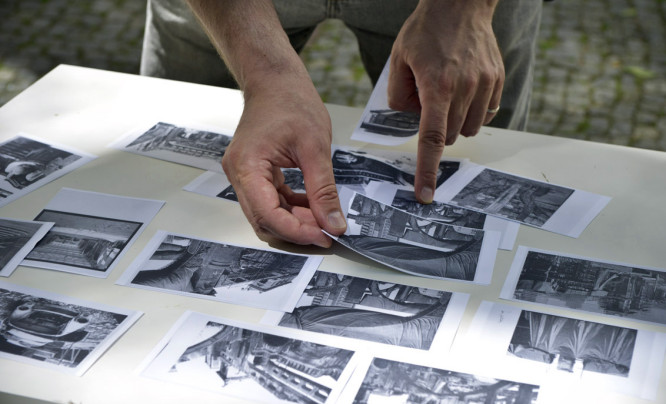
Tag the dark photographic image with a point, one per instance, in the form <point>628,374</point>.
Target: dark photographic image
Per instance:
<point>598,287</point>
<point>387,379</point>
<point>356,167</point>
<point>409,243</point>
<point>50,331</point>
<point>391,123</point>
<point>371,310</point>
<point>260,367</point>
<point>521,199</point>
<point>82,241</point>
<point>438,211</point>
<point>573,345</point>
<point>25,161</point>
<point>186,141</point>
<point>16,236</point>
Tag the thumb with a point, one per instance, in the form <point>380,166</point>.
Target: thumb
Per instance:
<point>322,193</point>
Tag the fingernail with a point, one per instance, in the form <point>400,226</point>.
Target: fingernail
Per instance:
<point>426,195</point>
<point>336,220</point>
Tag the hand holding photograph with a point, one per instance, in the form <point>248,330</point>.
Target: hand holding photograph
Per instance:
<point>249,362</point>
<point>534,203</point>
<point>17,239</point>
<point>414,245</point>
<point>228,273</point>
<point>57,332</point>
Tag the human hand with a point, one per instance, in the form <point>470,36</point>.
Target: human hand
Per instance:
<point>285,124</point>
<point>445,65</point>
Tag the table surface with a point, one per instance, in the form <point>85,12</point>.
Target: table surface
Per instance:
<point>88,109</point>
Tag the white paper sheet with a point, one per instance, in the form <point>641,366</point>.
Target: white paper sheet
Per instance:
<point>403,199</point>
<point>414,245</point>
<point>381,125</point>
<point>586,284</point>
<point>249,361</point>
<point>535,203</point>
<point>565,352</point>
<point>386,313</point>
<point>230,273</point>
<point>91,232</point>
<point>30,162</point>
<point>17,239</point>
<point>193,145</point>
<point>57,332</point>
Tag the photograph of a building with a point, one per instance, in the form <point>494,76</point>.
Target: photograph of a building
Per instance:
<point>438,211</point>
<point>505,195</point>
<point>391,123</point>
<point>573,345</point>
<point>370,310</point>
<point>82,241</point>
<point>25,161</point>
<point>594,286</point>
<point>386,380</point>
<point>287,369</point>
<point>14,236</point>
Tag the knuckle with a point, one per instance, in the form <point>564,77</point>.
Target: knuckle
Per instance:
<point>325,193</point>
<point>433,139</point>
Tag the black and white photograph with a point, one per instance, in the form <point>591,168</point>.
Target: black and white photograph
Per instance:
<point>414,245</point>
<point>17,239</point>
<point>91,231</point>
<point>57,332</point>
<point>229,273</point>
<point>248,362</point>
<point>376,311</point>
<point>26,163</point>
<point>403,199</point>
<point>534,203</point>
<point>585,284</point>
<point>191,145</point>
<point>563,351</point>
<point>573,345</point>
<point>389,381</point>
<point>380,124</point>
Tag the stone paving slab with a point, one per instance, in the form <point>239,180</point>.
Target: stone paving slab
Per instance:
<point>600,76</point>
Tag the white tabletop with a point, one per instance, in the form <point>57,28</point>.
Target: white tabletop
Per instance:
<point>88,109</point>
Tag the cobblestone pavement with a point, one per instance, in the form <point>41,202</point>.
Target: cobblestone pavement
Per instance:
<point>600,75</point>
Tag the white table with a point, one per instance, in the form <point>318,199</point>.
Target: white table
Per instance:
<point>87,109</point>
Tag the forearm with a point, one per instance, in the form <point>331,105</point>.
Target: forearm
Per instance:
<point>249,37</point>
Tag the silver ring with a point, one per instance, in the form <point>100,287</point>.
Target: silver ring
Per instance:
<point>493,110</point>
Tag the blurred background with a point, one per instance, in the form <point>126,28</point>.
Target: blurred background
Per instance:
<point>600,72</point>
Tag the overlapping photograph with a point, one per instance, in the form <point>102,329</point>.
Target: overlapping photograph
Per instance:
<point>389,381</point>
<point>403,199</point>
<point>414,245</point>
<point>380,124</point>
<point>186,265</point>
<point>191,145</point>
<point>17,239</point>
<point>57,332</point>
<point>585,284</point>
<point>91,231</point>
<point>534,203</point>
<point>376,311</point>
<point>249,362</point>
<point>564,350</point>
<point>27,163</point>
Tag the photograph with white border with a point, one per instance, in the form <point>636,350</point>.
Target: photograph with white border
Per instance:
<point>381,380</point>
<point>586,284</point>
<point>189,266</point>
<point>192,145</point>
<point>404,199</point>
<point>380,124</point>
<point>558,209</point>
<point>27,163</point>
<point>57,332</point>
<point>17,239</point>
<point>91,232</point>
<point>249,362</point>
<point>376,311</point>
<point>564,351</point>
<point>414,245</point>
